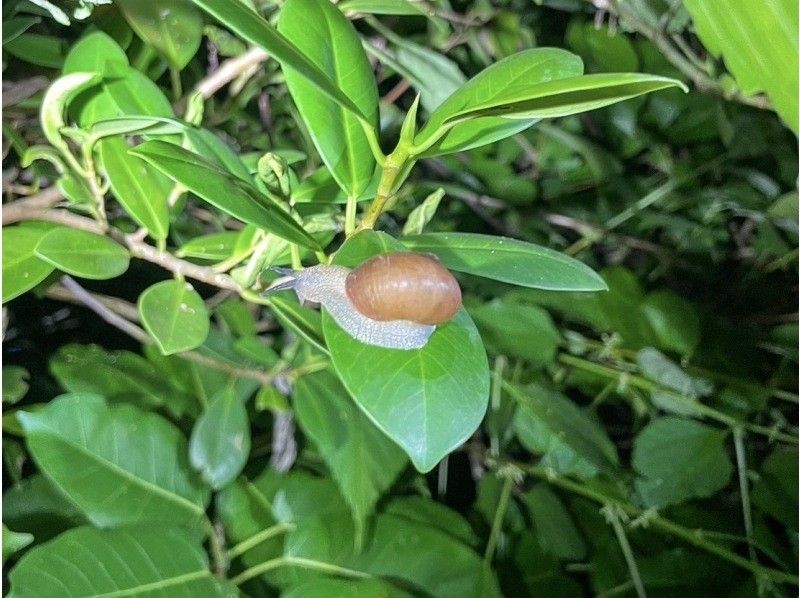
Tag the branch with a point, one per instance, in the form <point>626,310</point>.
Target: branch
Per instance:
<point>230,70</point>
<point>702,81</point>
<point>20,209</point>
<point>111,310</point>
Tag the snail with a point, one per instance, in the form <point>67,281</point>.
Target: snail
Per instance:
<point>394,300</point>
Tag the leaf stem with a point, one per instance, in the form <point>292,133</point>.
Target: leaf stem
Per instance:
<point>610,511</point>
<point>499,516</point>
<point>696,537</point>
<point>310,564</point>
<point>258,538</point>
<point>696,406</point>
<point>391,170</point>
<point>744,490</point>
<point>350,216</point>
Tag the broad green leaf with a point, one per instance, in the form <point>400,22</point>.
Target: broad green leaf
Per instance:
<point>523,69</point>
<point>122,91</point>
<point>255,29</point>
<point>130,561</point>
<point>41,50</point>
<point>173,27</point>
<point>553,525</point>
<point>523,331</point>
<point>174,315</point>
<point>775,491</point>
<point>208,145</point>
<point>142,190</point>
<point>566,424</point>
<point>562,97</point>
<point>220,441</point>
<point>329,587</point>
<point>54,103</point>
<point>216,246</point>
<point>13,28</point>
<point>428,400</point>
<point>433,515</point>
<point>507,260</point>
<point>119,376</point>
<point>758,42</point>
<point>332,44</point>
<point>15,383</point>
<point>119,465</point>
<point>423,213</point>
<point>363,461</point>
<point>674,320</point>
<point>83,254</point>
<point>679,459</point>
<point>13,542</point>
<point>434,76</point>
<point>37,505</point>
<point>223,190</point>
<point>22,268</point>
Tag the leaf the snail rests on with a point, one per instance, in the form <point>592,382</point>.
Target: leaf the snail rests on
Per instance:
<point>394,300</point>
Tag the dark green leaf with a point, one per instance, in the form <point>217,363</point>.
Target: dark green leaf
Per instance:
<point>507,260</point>
<point>13,542</point>
<point>22,268</point>
<point>83,254</point>
<point>332,44</point>
<point>775,492</point>
<point>553,525</point>
<point>173,27</point>
<point>174,315</point>
<point>223,190</point>
<point>118,465</point>
<point>34,48</point>
<point>679,459</point>
<point>363,461</point>
<point>15,383</point>
<point>220,440</point>
<point>131,561</point>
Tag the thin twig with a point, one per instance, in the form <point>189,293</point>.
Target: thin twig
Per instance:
<point>19,209</point>
<point>230,70</point>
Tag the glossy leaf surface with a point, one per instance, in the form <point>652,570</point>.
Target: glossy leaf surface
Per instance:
<point>174,315</point>
<point>83,254</point>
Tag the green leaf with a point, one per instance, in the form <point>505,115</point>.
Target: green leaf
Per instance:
<point>22,269</point>
<point>92,53</point>
<point>423,213</point>
<point>13,28</point>
<point>15,383</point>
<point>508,260</point>
<point>132,561</point>
<point>173,27</point>
<point>36,505</point>
<point>223,190</point>
<point>119,465</point>
<point>758,42</point>
<point>41,50</point>
<point>679,459</point>
<point>142,190</point>
<point>174,315</point>
<point>332,44</point>
<point>83,254</point>
<point>116,375</point>
<point>216,246</point>
<point>305,322</point>
<point>382,7</point>
<point>566,425</point>
<point>433,515</point>
<point>208,145</point>
<point>363,461</point>
<point>526,68</point>
<point>658,368</point>
<point>523,331</point>
<point>567,96</point>
<point>328,587</point>
<point>674,320</point>
<point>13,542</point>
<point>553,525</point>
<point>252,27</point>
<point>220,441</point>
<point>54,103</point>
<point>410,394</point>
<point>775,491</point>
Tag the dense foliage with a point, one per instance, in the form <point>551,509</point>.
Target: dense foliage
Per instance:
<point>613,410</point>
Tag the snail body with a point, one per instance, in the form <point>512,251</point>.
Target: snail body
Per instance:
<point>394,300</point>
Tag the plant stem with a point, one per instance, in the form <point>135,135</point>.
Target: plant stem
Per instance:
<point>391,170</point>
<point>258,538</point>
<point>625,546</point>
<point>696,406</point>
<point>175,81</point>
<point>694,537</point>
<point>744,490</point>
<point>350,216</point>
<point>217,550</point>
<point>284,561</point>
<point>499,516</point>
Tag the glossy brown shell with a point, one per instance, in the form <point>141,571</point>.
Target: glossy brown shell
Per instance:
<point>404,286</point>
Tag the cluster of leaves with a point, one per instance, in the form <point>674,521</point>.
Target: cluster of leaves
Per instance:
<point>603,429</point>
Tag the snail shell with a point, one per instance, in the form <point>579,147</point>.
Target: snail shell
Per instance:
<point>394,300</point>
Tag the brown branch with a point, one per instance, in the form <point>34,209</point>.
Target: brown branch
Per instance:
<point>21,208</point>
<point>230,70</point>
<point>115,311</point>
